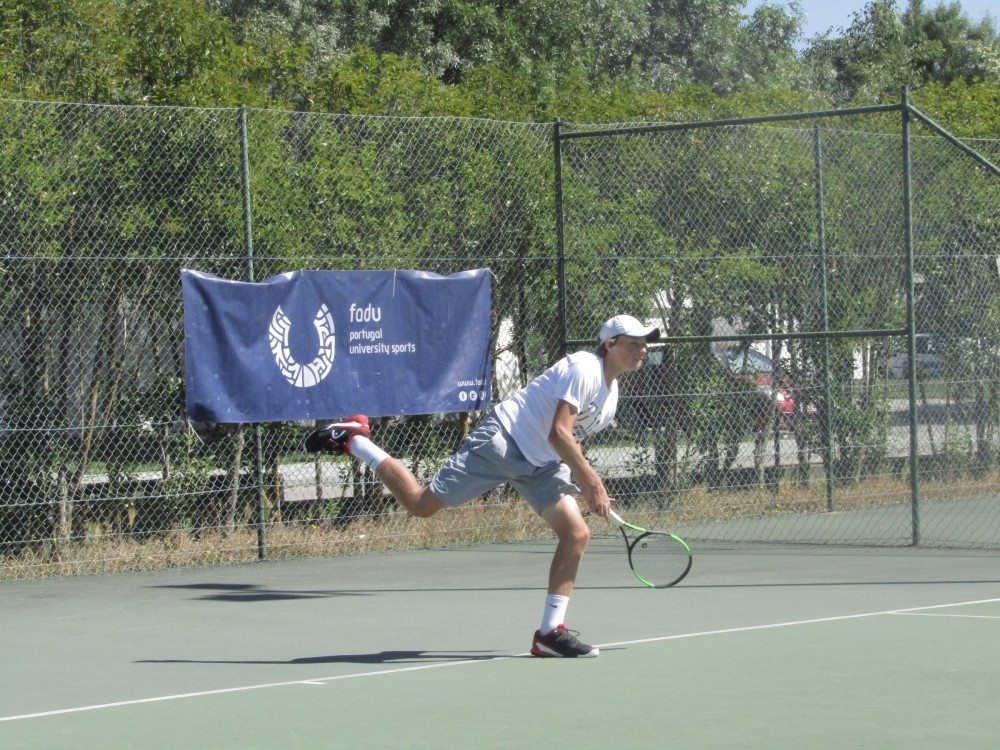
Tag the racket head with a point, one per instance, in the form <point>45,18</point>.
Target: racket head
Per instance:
<point>659,559</point>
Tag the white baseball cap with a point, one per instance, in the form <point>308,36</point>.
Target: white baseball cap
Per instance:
<point>626,325</point>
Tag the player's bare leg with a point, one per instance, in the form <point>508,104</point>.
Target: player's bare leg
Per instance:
<point>416,498</point>
<point>352,436</point>
<point>567,522</point>
<point>552,638</point>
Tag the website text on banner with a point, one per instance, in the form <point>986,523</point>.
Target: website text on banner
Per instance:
<point>323,344</point>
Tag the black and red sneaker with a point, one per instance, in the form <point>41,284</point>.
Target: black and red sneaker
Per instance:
<point>335,438</point>
<point>560,643</point>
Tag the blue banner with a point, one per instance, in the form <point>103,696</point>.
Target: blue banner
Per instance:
<point>329,344</point>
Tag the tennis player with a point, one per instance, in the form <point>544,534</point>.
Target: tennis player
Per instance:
<point>532,441</point>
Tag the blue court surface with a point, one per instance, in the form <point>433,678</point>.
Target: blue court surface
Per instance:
<point>759,647</point>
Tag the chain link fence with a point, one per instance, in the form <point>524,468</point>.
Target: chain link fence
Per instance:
<point>786,264</point>
<point>757,248</point>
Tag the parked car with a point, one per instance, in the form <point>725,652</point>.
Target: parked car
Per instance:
<point>646,399</point>
<point>929,362</point>
<point>769,393</point>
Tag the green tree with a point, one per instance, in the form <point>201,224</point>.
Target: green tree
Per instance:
<point>871,60</point>
<point>179,52</point>
<point>711,42</point>
<point>884,49</point>
<point>62,49</point>
<point>967,110</point>
<point>769,58</point>
<point>947,47</point>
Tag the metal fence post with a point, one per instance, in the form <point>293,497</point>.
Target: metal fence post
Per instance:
<point>560,238</point>
<point>911,326</point>
<point>825,306</point>
<point>248,249</point>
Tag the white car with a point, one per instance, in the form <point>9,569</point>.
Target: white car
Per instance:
<point>929,362</point>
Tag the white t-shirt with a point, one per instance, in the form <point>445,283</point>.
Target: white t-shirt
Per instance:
<point>577,379</point>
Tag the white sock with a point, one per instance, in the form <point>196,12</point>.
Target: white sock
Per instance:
<point>365,450</point>
<point>554,614</point>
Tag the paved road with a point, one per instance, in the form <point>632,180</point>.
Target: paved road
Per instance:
<point>939,424</point>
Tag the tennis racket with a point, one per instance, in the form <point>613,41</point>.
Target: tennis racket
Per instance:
<point>658,559</point>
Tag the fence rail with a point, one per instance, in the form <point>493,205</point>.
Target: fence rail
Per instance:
<point>832,371</point>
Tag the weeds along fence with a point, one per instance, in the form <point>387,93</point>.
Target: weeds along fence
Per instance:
<point>828,285</point>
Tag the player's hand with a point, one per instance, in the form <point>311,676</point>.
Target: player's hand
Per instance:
<point>602,508</point>
<point>597,499</point>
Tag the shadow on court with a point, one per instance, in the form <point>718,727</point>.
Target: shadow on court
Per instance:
<point>383,657</point>
<point>250,593</point>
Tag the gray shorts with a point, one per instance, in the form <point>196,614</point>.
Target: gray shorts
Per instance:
<point>489,457</point>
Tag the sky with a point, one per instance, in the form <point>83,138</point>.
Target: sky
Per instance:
<point>821,15</point>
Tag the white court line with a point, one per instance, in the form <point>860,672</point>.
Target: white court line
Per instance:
<point>955,617</point>
<point>243,689</point>
<point>801,622</point>
<point>421,667</point>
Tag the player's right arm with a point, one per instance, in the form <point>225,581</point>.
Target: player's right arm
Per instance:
<point>563,442</point>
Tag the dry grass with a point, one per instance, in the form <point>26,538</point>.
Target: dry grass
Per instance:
<point>115,553</point>
<point>505,519</point>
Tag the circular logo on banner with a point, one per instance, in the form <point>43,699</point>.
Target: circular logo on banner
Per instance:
<point>299,375</point>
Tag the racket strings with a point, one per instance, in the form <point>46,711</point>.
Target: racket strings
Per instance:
<point>659,559</point>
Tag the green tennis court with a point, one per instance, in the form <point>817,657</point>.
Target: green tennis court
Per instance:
<point>757,648</point>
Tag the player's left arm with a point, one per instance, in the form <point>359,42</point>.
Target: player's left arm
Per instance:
<point>564,443</point>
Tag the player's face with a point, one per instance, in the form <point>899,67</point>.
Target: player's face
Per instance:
<point>629,351</point>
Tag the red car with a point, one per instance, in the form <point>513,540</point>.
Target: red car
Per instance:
<point>753,372</point>
<point>647,400</point>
